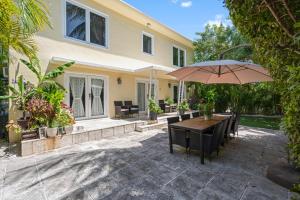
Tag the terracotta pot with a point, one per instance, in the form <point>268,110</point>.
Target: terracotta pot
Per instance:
<point>51,132</point>
<point>68,129</point>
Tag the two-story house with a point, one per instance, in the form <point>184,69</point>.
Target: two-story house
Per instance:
<point>116,47</point>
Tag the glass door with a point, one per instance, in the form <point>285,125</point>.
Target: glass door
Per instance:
<point>77,96</point>
<point>175,94</point>
<point>141,96</point>
<point>96,97</point>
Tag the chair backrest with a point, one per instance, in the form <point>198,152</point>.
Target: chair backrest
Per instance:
<point>118,103</point>
<point>195,114</point>
<point>128,103</point>
<point>179,137</point>
<point>185,117</point>
<point>161,101</point>
<point>216,135</point>
<point>223,131</point>
<point>229,125</point>
<point>237,121</point>
<point>172,120</point>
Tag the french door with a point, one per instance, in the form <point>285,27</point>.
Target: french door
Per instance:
<point>87,96</point>
<point>143,93</point>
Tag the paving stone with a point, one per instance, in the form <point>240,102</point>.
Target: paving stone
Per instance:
<point>139,166</point>
<point>119,131</point>
<point>26,148</point>
<point>79,138</point>
<point>129,128</point>
<point>95,135</point>
<point>107,133</point>
<point>66,140</point>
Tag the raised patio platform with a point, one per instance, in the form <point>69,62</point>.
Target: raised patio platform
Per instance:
<point>92,130</point>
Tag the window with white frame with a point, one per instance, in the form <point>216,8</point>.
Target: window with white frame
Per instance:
<point>148,43</point>
<point>85,25</point>
<point>178,56</point>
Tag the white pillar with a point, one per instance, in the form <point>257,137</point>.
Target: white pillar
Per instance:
<point>150,89</point>
<point>182,91</point>
<point>179,93</point>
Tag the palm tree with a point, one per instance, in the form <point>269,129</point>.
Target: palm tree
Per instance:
<point>19,21</point>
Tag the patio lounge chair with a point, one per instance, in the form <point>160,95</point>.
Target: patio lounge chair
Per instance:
<point>195,114</point>
<point>120,110</point>
<point>185,117</point>
<point>133,109</point>
<point>210,140</point>
<point>165,107</point>
<point>235,124</point>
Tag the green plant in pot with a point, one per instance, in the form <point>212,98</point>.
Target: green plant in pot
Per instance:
<point>207,110</point>
<point>20,96</point>
<point>183,107</point>
<point>65,119</point>
<point>154,109</point>
<point>169,101</point>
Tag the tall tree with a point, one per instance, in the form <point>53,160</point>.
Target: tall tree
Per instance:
<point>273,29</point>
<point>254,98</point>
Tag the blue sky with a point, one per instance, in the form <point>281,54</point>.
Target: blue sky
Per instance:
<point>184,16</point>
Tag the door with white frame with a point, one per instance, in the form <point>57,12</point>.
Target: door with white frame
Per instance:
<point>87,95</point>
<point>143,91</point>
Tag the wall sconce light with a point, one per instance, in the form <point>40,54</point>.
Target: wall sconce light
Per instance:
<point>169,85</point>
<point>119,81</point>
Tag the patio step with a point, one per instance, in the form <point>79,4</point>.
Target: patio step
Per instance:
<point>148,127</point>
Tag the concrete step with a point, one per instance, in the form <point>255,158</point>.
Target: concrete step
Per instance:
<point>148,127</point>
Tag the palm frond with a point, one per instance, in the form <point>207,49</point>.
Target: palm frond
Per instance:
<point>21,85</point>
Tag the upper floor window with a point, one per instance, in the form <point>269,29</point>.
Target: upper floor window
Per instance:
<point>178,57</point>
<point>147,43</point>
<point>86,25</point>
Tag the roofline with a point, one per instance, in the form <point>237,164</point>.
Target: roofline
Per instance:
<point>160,28</point>
<point>151,18</point>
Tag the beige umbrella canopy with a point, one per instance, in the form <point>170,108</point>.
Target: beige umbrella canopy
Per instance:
<point>223,71</point>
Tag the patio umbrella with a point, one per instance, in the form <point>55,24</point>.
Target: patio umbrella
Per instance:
<point>223,71</point>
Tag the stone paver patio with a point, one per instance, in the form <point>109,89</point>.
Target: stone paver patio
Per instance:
<point>139,166</point>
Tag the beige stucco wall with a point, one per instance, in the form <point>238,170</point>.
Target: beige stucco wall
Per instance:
<point>125,35</point>
<point>125,39</point>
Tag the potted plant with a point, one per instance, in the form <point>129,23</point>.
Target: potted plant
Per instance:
<point>207,110</point>
<point>169,101</point>
<point>52,128</point>
<point>14,131</point>
<point>154,109</point>
<point>183,107</point>
<point>19,97</point>
<point>65,119</point>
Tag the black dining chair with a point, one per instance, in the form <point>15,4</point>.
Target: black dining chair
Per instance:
<point>210,140</point>
<point>179,137</point>
<point>222,133</point>
<point>185,117</point>
<point>228,128</point>
<point>235,124</point>
<point>195,114</point>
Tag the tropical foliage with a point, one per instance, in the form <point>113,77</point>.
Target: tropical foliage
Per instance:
<point>259,98</point>
<point>272,27</point>
<point>19,21</point>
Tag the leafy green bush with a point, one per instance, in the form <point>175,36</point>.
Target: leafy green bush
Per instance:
<point>154,107</point>
<point>183,106</point>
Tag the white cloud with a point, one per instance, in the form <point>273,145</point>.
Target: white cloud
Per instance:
<point>186,4</point>
<point>219,19</point>
<point>183,3</point>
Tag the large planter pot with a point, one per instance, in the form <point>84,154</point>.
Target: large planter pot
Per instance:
<point>68,129</point>
<point>181,112</point>
<point>153,116</point>
<point>51,132</point>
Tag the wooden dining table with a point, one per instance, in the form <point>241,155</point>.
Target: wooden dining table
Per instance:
<point>199,125</point>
